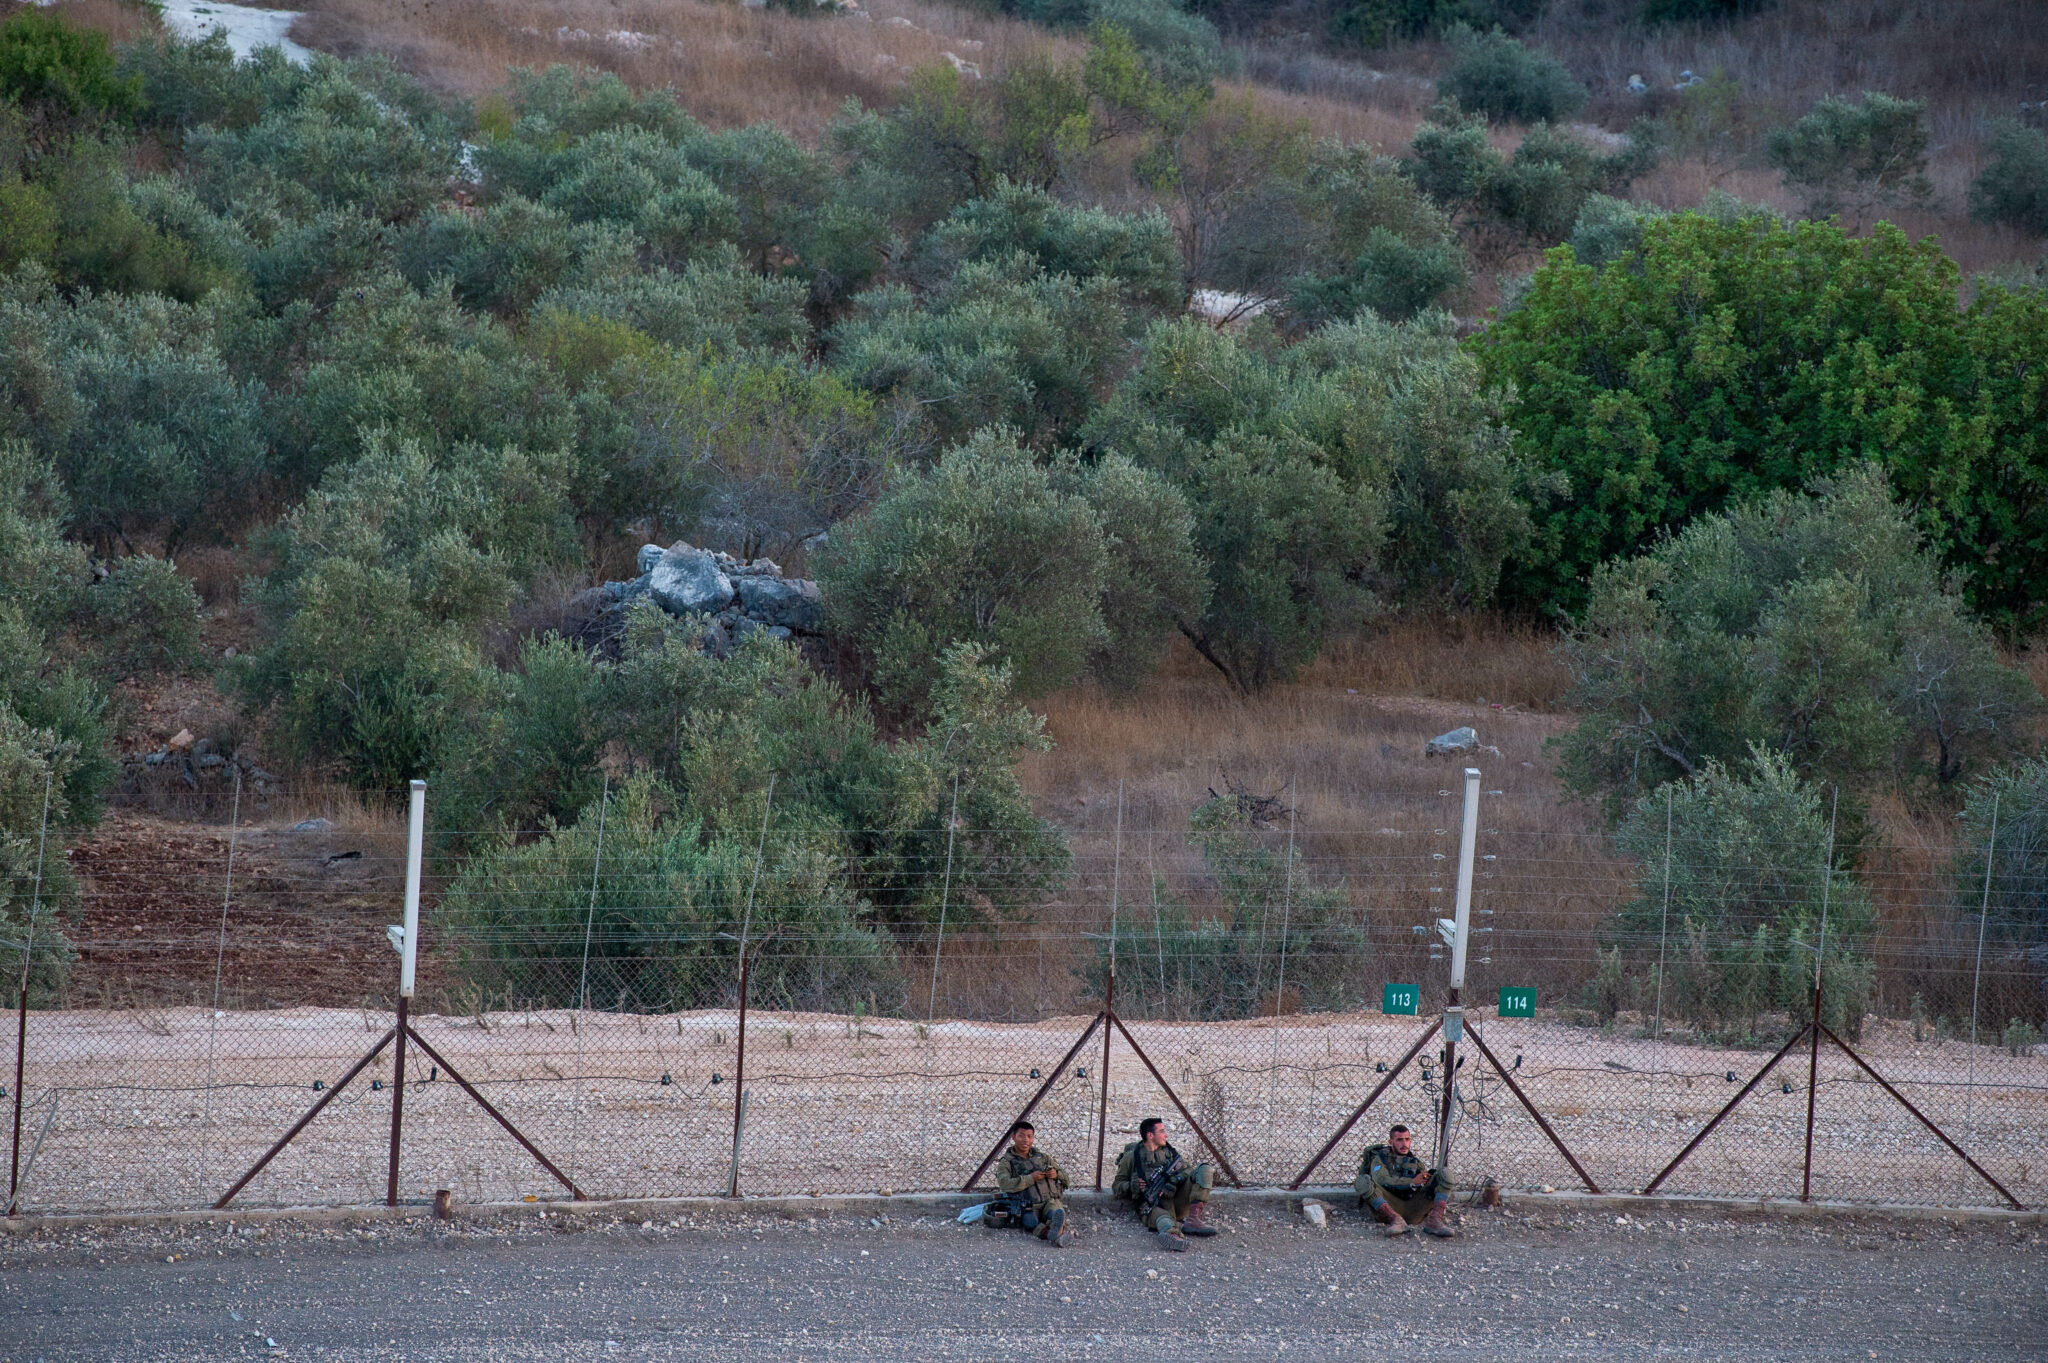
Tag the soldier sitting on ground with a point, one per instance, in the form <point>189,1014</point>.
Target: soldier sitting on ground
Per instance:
<point>1393,1181</point>
<point>1032,1185</point>
<point>1170,1194</point>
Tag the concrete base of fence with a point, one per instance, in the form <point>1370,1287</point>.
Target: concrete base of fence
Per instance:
<point>873,1204</point>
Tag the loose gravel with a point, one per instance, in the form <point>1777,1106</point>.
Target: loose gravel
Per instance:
<point>1527,1281</point>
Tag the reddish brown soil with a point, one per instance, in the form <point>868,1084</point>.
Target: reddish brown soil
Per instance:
<point>304,923</point>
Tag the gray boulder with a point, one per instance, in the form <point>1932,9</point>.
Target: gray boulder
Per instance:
<point>688,580</point>
<point>650,554</point>
<point>1457,740</point>
<point>779,600</point>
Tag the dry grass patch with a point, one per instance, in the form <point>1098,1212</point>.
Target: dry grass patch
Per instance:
<point>732,66</point>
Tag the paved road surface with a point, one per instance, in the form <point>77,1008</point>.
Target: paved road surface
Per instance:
<point>1550,1284</point>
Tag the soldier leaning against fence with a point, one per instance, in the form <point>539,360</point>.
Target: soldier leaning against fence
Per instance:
<point>1401,1189</point>
<point>1171,1195</point>
<point>1033,1184</point>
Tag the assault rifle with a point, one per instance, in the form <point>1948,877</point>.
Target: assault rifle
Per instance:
<point>1156,1182</point>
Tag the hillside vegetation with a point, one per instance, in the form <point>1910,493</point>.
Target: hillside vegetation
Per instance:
<point>1090,380</point>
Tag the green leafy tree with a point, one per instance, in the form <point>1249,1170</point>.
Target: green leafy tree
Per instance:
<point>1136,250</point>
<point>1816,629</point>
<point>1738,354</point>
<point>63,76</point>
<point>759,456</point>
<point>1292,463</point>
<point>136,407</point>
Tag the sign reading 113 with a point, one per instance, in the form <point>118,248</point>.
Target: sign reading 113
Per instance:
<point>1399,998</point>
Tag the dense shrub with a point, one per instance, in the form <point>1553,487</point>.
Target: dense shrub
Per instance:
<point>997,341</point>
<point>2013,898</point>
<point>983,548</point>
<point>1496,75</point>
<point>756,456</point>
<point>132,401</point>
<point>644,919</point>
<point>1135,250</point>
<point>1300,465</point>
<point>384,578</point>
<point>1272,932</point>
<point>1817,627</point>
<point>2013,188</point>
<point>64,77</point>
<point>1733,888</point>
<point>1847,157</point>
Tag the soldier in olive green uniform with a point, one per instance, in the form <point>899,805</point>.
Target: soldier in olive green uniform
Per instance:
<point>1400,1189</point>
<point>1171,1195</point>
<point>1030,1180</point>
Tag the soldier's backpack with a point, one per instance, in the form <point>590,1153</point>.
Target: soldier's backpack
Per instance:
<point>1125,1159</point>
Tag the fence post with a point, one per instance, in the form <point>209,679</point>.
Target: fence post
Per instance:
<point>1977,976</point>
<point>931,1003</point>
<point>1109,988</point>
<point>408,962</point>
<point>1827,880</point>
<point>604,806</point>
<point>220,950</point>
<point>1664,923</point>
<point>1454,1010</point>
<point>739,1079</point>
<point>1280,983</point>
<point>28,950</point>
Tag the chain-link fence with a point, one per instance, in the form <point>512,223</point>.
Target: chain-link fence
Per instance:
<point>655,1027</point>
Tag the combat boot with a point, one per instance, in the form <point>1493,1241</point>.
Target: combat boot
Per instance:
<point>1055,1228</point>
<point>1434,1223</point>
<point>1172,1239</point>
<point>1396,1224</point>
<point>1196,1224</point>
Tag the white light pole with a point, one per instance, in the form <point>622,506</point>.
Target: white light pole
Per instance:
<point>408,961</point>
<point>1461,933</point>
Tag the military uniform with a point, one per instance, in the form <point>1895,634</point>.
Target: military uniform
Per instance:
<point>1041,1212</point>
<point>1404,1182</point>
<point>1183,1188</point>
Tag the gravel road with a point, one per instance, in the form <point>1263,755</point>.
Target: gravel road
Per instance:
<point>1519,1283</point>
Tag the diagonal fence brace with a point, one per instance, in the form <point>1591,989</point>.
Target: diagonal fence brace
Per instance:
<point>1051,1078</point>
<point>1370,1099</point>
<point>1729,1107</point>
<point>496,1115</point>
<point>302,1123</point>
<point>1508,1077</point>
<point>1982,1173</point>
<point>1179,1106</point>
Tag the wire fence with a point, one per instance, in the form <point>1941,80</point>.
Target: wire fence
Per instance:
<point>658,1026</point>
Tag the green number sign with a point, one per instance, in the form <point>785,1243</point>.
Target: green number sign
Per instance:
<point>1399,998</point>
<point>1518,1003</point>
